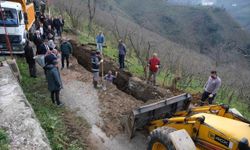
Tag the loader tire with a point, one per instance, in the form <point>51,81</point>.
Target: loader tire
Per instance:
<point>159,139</point>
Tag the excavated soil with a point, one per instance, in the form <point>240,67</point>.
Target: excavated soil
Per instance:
<point>113,103</point>
<point>116,105</point>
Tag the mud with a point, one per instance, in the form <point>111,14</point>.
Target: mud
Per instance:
<point>116,105</point>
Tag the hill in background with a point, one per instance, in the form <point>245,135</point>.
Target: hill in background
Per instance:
<point>190,40</point>
<point>239,9</point>
<point>199,28</point>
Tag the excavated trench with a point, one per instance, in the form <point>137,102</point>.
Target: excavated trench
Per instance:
<point>125,81</point>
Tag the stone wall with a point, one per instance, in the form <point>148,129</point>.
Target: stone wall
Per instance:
<point>17,116</point>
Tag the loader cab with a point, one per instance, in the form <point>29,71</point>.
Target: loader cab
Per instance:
<point>223,132</point>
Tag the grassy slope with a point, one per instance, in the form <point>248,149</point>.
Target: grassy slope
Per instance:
<point>53,119</point>
<point>4,140</point>
<point>134,66</point>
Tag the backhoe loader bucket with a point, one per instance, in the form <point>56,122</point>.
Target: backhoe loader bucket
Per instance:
<point>142,116</point>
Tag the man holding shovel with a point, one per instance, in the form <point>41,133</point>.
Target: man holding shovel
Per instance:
<point>96,61</point>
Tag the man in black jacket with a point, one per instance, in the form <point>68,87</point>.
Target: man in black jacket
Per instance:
<point>62,22</point>
<point>38,40</point>
<point>29,55</point>
<point>95,61</point>
<point>57,24</point>
<point>49,33</point>
<point>43,48</point>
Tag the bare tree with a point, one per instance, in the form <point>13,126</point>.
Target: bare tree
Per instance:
<point>74,10</point>
<point>141,47</point>
<point>92,11</point>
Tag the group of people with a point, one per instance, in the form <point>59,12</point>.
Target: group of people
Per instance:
<point>210,89</point>
<point>48,54</point>
<point>97,59</point>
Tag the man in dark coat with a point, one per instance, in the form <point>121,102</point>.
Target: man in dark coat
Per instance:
<point>54,82</point>
<point>122,53</point>
<point>43,4</point>
<point>38,40</point>
<point>57,24</point>
<point>95,61</point>
<point>66,50</point>
<point>43,48</point>
<point>49,33</point>
<point>62,22</point>
<point>29,55</point>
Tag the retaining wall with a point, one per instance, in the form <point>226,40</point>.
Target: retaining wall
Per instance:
<point>17,117</point>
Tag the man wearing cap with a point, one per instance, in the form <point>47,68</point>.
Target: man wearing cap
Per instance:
<point>211,87</point>
<point>154,65</point>
<point>95,61</point>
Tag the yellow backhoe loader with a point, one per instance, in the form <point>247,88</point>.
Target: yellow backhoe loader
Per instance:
<point>174,124</point>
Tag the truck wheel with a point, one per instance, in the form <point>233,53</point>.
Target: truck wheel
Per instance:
<point>159,139</point>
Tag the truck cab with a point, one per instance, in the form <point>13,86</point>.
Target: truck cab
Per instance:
<point>17,17</point>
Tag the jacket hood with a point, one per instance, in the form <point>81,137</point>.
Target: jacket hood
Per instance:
<point>49,67</point>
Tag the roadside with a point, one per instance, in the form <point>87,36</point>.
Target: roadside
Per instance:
<point>64,129</point>
<point>4,140</point>
<point>103,110</point>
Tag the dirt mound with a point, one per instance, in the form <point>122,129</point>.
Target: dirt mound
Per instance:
<point>115,105</point>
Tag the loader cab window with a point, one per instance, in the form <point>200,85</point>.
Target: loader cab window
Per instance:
<point>8,17</point>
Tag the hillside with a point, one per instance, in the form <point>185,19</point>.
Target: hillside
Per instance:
<point>190,42</point>
<point>239,9</point>
<point>199,28</point>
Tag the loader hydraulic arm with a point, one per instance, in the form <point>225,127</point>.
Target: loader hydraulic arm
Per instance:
<point>220,110</point>
<point>192,124</point>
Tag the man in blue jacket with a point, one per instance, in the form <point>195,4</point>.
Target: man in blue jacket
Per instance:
<point>100,39</point>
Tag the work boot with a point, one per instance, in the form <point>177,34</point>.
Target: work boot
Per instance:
<point>95,84</point>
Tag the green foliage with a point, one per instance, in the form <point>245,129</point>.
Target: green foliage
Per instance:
<point>4,140</point>
<point>191,85</point>
<point>49,115</point>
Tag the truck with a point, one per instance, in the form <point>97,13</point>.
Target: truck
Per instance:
<point>17,21</point>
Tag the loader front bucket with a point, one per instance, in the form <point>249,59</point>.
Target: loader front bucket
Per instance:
<point>142,116</point>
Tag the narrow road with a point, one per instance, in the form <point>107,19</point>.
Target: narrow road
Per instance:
<point>79,95</point>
